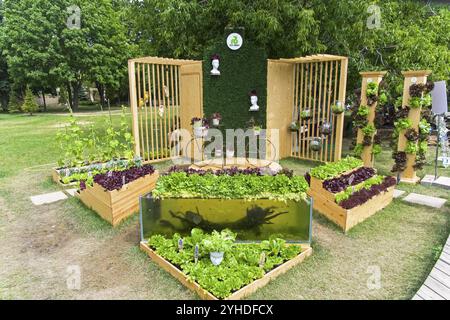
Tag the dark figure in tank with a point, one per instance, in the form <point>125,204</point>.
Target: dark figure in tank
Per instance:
<point>255,218</point>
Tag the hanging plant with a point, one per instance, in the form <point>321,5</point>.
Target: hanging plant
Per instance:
<point>305,114</point>
<point>372,93</point>
<point>423,147</point>
<point>411,147</point>
<point>402,113</point>
<point>420,161</point>
<point>424,129</point>
<point>411,135</point>
<point>369,130</point>
<point>325,128</point>
<point>358,150</point>
<point>295,126</point>
<point>363,111</point>
<point>315,145</point>
<point>376,149</point>
<point>337,108</point>
<point>367,141</point>
<point>402,124</point>
<point>400,161</point>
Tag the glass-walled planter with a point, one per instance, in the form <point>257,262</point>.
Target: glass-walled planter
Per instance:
<point>253,221</point>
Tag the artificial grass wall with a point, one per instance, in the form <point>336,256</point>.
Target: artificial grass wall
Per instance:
<point>242,71</point>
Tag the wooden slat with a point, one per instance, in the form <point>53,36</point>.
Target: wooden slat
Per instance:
<point>144,114</point>
<point>134,105</point>
<point>300,134</point>
<point>295,111</point>
<point>438,287</point>
<point>141,96</point>
<point>333,132</point>
<point>321,108</point>
<point>331,118</point>
<point>151,102</point>
<point>155,112</point>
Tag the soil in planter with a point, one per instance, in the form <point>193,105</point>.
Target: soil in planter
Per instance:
<point>253,220</point>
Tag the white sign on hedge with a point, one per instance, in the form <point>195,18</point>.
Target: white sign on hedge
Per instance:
<point>235,41</point>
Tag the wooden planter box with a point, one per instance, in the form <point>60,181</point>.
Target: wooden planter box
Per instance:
<point>325,203</point>
<point>115,206</point>
<point>56,177</point>
<point>241,293</point>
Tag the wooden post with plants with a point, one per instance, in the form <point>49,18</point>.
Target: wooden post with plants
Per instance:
<point>366,116</point>
<point>415,97</point>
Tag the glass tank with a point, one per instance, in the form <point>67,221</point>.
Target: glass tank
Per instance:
<point>253,221</point>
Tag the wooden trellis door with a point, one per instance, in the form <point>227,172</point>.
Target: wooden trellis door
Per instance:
<point>164,95</point>
<point>307,85</point>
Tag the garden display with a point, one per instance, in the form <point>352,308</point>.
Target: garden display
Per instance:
<point>412,126</point>
<point>347,193</point>
<point>114,195</point>
<point>247,201</point>
<point>366,117</point>
<point>241,269</point>
<point>86,152</point>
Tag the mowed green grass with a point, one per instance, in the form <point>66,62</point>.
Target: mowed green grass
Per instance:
<point>400,242</point>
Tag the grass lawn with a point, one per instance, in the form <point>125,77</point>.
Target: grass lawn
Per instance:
<point>41,245</point>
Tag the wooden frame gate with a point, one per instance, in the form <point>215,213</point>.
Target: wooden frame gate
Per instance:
<point>165,94</point>
<point>311,83</point>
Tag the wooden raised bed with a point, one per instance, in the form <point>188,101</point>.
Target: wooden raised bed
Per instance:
<point>325,203</point>
<point>56,177</point>
<point>115,206</point>
<point>241,293</point>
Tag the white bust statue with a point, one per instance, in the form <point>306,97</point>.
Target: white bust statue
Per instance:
<point>215,61</point>
<point>254,101</point>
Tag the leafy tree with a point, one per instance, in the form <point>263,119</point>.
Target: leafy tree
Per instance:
<point>185,28</point>
<point>14,103</point>
<point>30,105</point>
<point>51,52</point>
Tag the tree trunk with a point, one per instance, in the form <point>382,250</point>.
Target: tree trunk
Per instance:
<point>69,95</point>
<point>76,86</point>
<point>101,92</point>
<point>45,102</point>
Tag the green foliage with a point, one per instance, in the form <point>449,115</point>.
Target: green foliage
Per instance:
<point>372,89</point>
<point>344,195</point>
<point>42,51</point>
<point>218,241</point>
<point>423,147</point>
<point>358,150</point>
<point>424,127</point>
<point>402,124</point>
<point>30,105</point>
<point>337,109</point>
<point>411,147</point>
<point>369,130</point>
<point>242,71</point>
<point>363,111</point>
<point>83,146</point>
<point>335,169</point>
<point>14,104</point>
<point>240,186</point>
<point>241,266</point>
<point>376,150</point>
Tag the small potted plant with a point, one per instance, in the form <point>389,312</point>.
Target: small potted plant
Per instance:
<point>197,122</point>
<point>217,244</point>
<point>257,130</point>
<point>216,118</point>
<point>315,145</point>
<point>325,128</point>
<point>305,114</point>
<point>200,126</point>
<point>337,108</point>
<point>295,126</point>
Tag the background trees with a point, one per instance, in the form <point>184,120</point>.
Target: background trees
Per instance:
<point>43,50</point>
<point>37,47</point>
